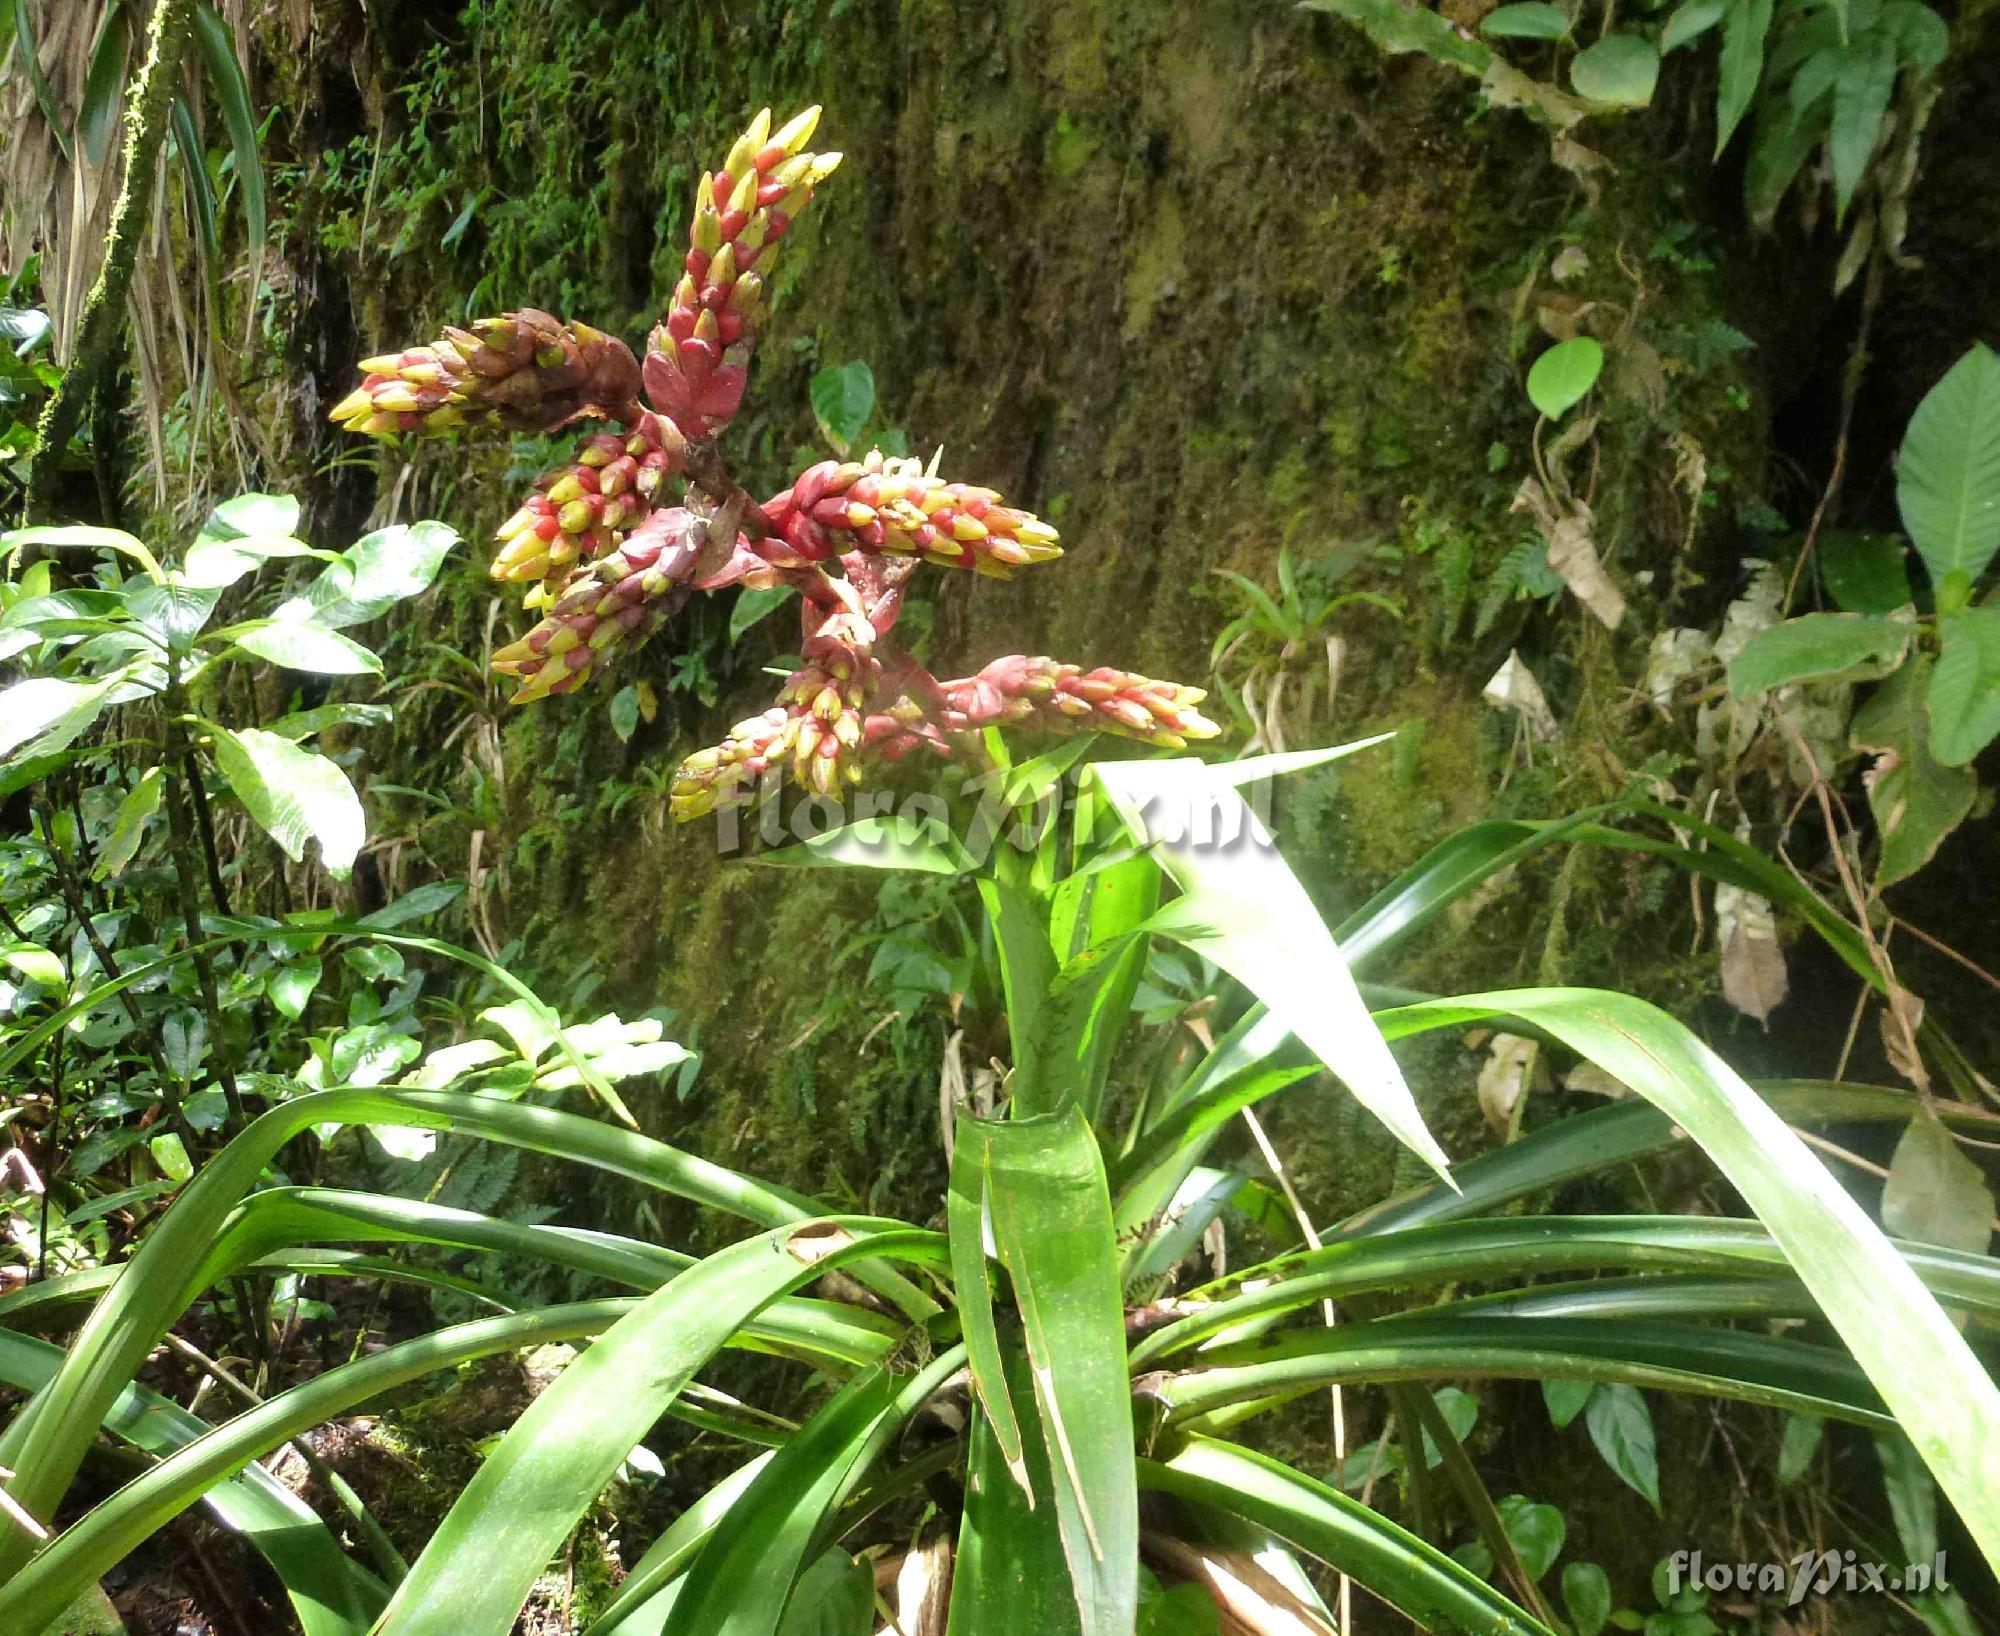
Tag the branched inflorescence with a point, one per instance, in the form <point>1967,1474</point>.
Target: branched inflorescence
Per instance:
<point>608,553</point>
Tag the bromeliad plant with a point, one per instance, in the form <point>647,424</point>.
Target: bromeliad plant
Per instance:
<point>1098,1453</point>
<point>1034,1371</point>
<point>610,561</point>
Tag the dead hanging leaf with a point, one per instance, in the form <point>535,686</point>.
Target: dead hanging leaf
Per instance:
<point>1561,314</point>
<point>1935,1194</point>
<point>1854,255</point>
<point>1573,551</point>
<point>1513,687</point>
<point>1504,1079</point>
<point>1674,658</point>
<point>1571,263</point>
<point>1591,1080</point>
<point>1902,1016</point>
<point>923,1589</point>
<point>1753,964</point>
<point>1587,165</point>
<point>1249,1598</point>
<point>814,1241</point>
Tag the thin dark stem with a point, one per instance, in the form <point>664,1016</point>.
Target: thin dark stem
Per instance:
<point>180,828</point>
<point>70,883</point>
<point>104,309</point>
<point>204,823</point>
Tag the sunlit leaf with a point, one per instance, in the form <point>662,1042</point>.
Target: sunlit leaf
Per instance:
<point>296,795</point>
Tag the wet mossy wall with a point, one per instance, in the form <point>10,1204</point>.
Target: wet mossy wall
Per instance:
<point>1198,282</point>
<point>1194,281</point>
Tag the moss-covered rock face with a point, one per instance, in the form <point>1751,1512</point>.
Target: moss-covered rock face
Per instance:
<point>1196,282</point>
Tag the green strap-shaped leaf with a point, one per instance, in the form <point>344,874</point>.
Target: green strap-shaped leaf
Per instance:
<point>1912,1353</point>
<point>332,1595</point>
<point>475,1574</point>
<point>1243,908</point>
<point>232,91</point>
<point>1394,1564</point>
<point>111,1531</point>
<point>1011,1573</point>
<point>1049,1215</point>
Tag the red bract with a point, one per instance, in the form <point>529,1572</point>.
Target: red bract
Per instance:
<point>610,561</point>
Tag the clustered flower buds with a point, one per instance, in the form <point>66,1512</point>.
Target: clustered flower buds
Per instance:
<point>1044,693</point>
<point>609,558</point>
<point>585,509</point>
<point>524,372</point>
<point>885,504</point>
<point>699,355</point>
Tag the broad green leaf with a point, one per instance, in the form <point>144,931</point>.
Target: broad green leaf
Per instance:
<point>625,713</point>
<point>1935,1194</point>
<point>753,606</point>
<point>1865,573</point>
<point>1186,1610</point>
<point>171,1155</point>
<point>304,723</point>
<point>1562,376</point>
<point>253,516</point>
<point>1535,1531</point>
<point>1027,968</point>
<point>1922,36</point>
<point>375,573</point>
<point>128,829</point>
<point>1861,95</point>
<point>843,397</point>
<point>77,536</point>
<point>1802,1437</point>
<point>1525,20</point>
<point>296,645</point>
<point>296,795</point>
<point>1917,800</point>
<point>419,903</point>
<point>1621,1425</point>
<point>1566,1399</point>
<point>475,1574</point>
<point>32,961</point>
<point>1783,141</point>
<point>1819,647</point>
<point>1948,476</point>
<point>225,73</point>
<point>1620,69</point>
<point>1745,23</point>
<point>290,987</point>
<point>1964,694</point>
<point>1242,907</point>
<point>1397,27</point>
<point>1913,1355</point>
<point>1049,1215</point>
<point>1586,1591</point>
<point>46,714</point>
<point>1690,20</point>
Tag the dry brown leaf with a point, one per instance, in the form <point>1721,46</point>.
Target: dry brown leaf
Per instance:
<point>1504,1079</point>
<point>1513,687</point>
<point>1250,1599</point>
<point>1754,979</point>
